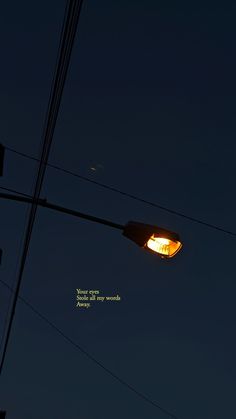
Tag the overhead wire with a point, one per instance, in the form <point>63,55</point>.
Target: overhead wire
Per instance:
<point>14,275</point>
<point>128,195</point>
<point>91,357</point>
<point>17,192</point>
<point>64,53</point>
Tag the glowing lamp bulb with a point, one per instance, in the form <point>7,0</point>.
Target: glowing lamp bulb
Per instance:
<point>163,246</point>
<point>162,242</point>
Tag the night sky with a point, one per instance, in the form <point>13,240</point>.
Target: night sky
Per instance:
<point>149,102</point>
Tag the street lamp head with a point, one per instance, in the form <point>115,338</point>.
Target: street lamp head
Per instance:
<point>156,240</point>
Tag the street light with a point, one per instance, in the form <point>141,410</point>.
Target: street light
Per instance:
<point>154,239</point>
<point>159,241</point>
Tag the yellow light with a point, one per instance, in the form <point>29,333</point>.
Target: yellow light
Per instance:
<point>163,246</point>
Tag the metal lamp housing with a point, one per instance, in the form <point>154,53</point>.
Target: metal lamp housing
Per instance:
<point>159,241</point>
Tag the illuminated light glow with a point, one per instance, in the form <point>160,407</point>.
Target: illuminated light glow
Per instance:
<point>161,242</point>
<point>163,246</point>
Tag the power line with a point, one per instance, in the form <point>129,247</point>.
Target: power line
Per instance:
<point>113,189</point>
<point>89,356</point>
<point>17,192</point>
<point>64,53</point>
<point>5,320</point>
<point>128,195</point>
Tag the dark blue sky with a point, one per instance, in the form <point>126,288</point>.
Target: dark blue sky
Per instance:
<point>150,96</point>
